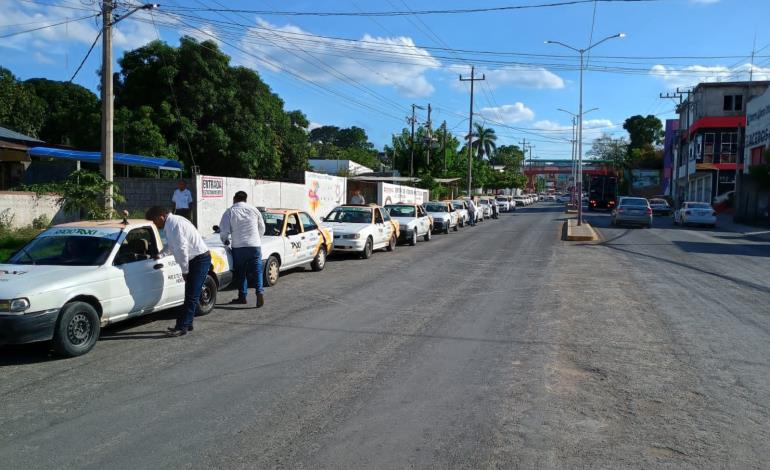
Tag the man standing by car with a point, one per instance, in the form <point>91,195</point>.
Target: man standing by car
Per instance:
<point>182,200</point>
<point>193,257</point>
<point>246,226</point>
<point>471,212</point>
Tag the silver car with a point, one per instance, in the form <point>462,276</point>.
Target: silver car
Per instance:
<point>696,213</point>
<point>632,211</point>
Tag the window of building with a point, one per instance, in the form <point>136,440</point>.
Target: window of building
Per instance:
<point>738,102</point>
<point>708,147</point>
<point>728,149</point>
<point>728,103</point>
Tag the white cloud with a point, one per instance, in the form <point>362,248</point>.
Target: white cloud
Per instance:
<point>313,125</point>
<point>205,33</point>
<point>331,60</point>
<point>592,128</point>
<point>517,76</point>
<point>508,113</point>
<point>694,74</point>
<point>41,58</point>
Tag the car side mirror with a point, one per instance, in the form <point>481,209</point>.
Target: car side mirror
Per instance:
<point>215,228</point>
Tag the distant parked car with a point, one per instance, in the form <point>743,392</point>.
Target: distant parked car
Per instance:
<point>504,204</point>
<point>551,197</point>
<point>660,207</point>
<point>486,207</point>
<point>696,213</point>
<point>445,217</point>
<point>462,211</point>
<point>413,221</point>
<point>632,211</point>
<point>361,229</point>
<point>565,198</point>
<point>520,201</point>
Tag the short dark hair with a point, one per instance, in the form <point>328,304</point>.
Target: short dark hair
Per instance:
<point>240,196</point>
<point>155,211</point>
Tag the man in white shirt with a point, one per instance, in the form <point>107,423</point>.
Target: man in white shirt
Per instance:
<point>471,212</point>
<point>193,257</point>
<point>245,226</point>
<point>357,198</point>
<point>182,200</point>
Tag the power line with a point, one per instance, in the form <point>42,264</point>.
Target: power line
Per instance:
<point>413,12</point>
<point>98,35</point>
<point>49,26</point>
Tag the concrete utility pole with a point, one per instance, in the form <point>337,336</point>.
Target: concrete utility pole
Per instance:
<point>430,134</point>
<point>473,79</point>
<point>523,144</point>
<point>675,172</point>
<point>412,120</point>
<point>443,142</point>
<point>107,104</point>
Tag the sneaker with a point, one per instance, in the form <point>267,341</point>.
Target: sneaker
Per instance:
<point>238,301</point>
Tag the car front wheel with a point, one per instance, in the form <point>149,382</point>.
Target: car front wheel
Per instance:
<point>208,296</point>
<point>77,329</point>
<point>272,271</point>
<point>320,260</point>
<point>367,253</point>
<point>392,243</point>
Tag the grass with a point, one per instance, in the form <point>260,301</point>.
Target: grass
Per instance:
<point>12,240</point>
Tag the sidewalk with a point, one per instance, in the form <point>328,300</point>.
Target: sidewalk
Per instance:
<point>725,222</point>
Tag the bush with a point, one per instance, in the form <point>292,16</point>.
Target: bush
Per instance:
<point>40,222</point>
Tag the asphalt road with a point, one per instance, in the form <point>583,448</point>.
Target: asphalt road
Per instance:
<point>496,346</point>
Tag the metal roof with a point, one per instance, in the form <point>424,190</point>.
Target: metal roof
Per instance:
<point>13,135</point>
<point>96,157</point>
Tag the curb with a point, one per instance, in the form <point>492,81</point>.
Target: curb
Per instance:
<point>582,233</point>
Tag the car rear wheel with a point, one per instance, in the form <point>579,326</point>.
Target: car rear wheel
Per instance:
<point>320,260</point>
<point>367,253</point>
<point>272,271</point>
<point>392,243</point>
<point>77,329</point>
<point>208,296</point>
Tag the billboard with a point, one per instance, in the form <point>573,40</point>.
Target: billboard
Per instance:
<point>645,178</point>
<point>324,192</point>
<point>394,193</point>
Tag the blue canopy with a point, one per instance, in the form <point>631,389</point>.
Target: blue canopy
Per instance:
<point>96,157</point>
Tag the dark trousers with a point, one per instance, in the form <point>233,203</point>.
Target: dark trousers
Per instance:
<point>247,269</point>
<point>196,276</point>
<point>186,213</point>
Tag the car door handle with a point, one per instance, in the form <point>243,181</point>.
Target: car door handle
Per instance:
<point>158,266</point>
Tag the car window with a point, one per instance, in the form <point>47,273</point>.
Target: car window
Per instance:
<point>292,226</point>
<point>401,211</point>
<point>308,223</point>
<point>273,224</point>
<point>633,201</point>
<point>351,215</point>
<point>698,205</point>
<point>436,207</point>
<point>59,246</point>
<point>385,215</point>
<point>139,245</point>
<point>378,217</point>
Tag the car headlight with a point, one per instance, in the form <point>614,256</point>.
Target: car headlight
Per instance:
<point>14,305</point>
<point>352,236</point>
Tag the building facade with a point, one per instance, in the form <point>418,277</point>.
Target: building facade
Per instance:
<point>712,122</point>
<point>753,199</point>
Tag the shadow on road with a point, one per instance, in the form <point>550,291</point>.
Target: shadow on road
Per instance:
<point>762,250</point>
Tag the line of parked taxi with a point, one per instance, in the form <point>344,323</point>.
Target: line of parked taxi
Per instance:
<point>73,279</point>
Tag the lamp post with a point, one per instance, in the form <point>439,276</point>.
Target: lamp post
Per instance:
<point>574,146</point>
<point>581,52</point>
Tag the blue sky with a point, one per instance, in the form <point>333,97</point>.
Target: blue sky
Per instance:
<point>400,60</point>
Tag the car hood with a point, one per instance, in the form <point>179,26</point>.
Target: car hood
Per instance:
<point>404,220</point>
<point>439,215</point>
<point>23,280</point>
<point>345,227</point>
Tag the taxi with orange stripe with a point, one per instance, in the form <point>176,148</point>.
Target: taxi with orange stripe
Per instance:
<point>293,238</point>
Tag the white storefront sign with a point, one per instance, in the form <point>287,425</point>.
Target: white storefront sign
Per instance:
<point>757,126</point>
<point>393,193</point>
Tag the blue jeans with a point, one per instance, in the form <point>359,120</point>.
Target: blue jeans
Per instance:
<point>247,269</point>
<point>472,218</point>
<point>196,276</point>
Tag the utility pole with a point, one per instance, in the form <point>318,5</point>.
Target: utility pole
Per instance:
<point>443,142</point>
<point>411,145</point>
<point>675,170</point>
<point>107,104</point>
<point>473,79</point>
<point>523,144</point>
<point>574,159</point>
<point>430,134</point>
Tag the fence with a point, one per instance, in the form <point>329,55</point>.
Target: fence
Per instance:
<point>20,209</point>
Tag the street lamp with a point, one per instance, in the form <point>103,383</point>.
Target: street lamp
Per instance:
<point>574,146</point>
<point>581,52</point>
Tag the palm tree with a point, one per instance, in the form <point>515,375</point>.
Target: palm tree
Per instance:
<point>483,141</point>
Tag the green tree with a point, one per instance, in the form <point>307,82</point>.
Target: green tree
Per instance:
<point>332,142</point>
<point>483,141</point>
<point>71,115</point>
<point>643,131</point>
<point>20,109</point>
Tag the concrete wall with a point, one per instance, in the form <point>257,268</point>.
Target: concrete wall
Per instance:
<point>143,193</point>
<point>19,209</point>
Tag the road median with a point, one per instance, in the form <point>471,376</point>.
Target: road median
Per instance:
<point>579,233</point>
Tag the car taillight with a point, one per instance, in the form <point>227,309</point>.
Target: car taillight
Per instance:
<point>649,211</point>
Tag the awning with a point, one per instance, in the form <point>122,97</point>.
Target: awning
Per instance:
<point>96,157</point>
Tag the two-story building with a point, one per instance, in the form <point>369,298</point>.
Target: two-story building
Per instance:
<point>754,199</point>
<point>712,123</point>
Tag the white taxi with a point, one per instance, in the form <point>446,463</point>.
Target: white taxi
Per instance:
<point>293,238</point>
<point>75,278</point>
<point>361,229</point>
<point>413,221</point>
<point>445,217</point>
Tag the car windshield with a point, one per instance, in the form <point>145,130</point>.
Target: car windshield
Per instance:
<point>436,208</point>
<point>273,223</point>
<point>458,205</point>
<point>698,205</point>
<point>352,215</point>
<point>633,201</point>
<point>68,247</point>
<point>400,211</point>
<point>503,199</point>
<point>659,202</point>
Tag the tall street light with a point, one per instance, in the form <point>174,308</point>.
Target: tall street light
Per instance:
<point>581,52</point>
<point>574,146</point>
